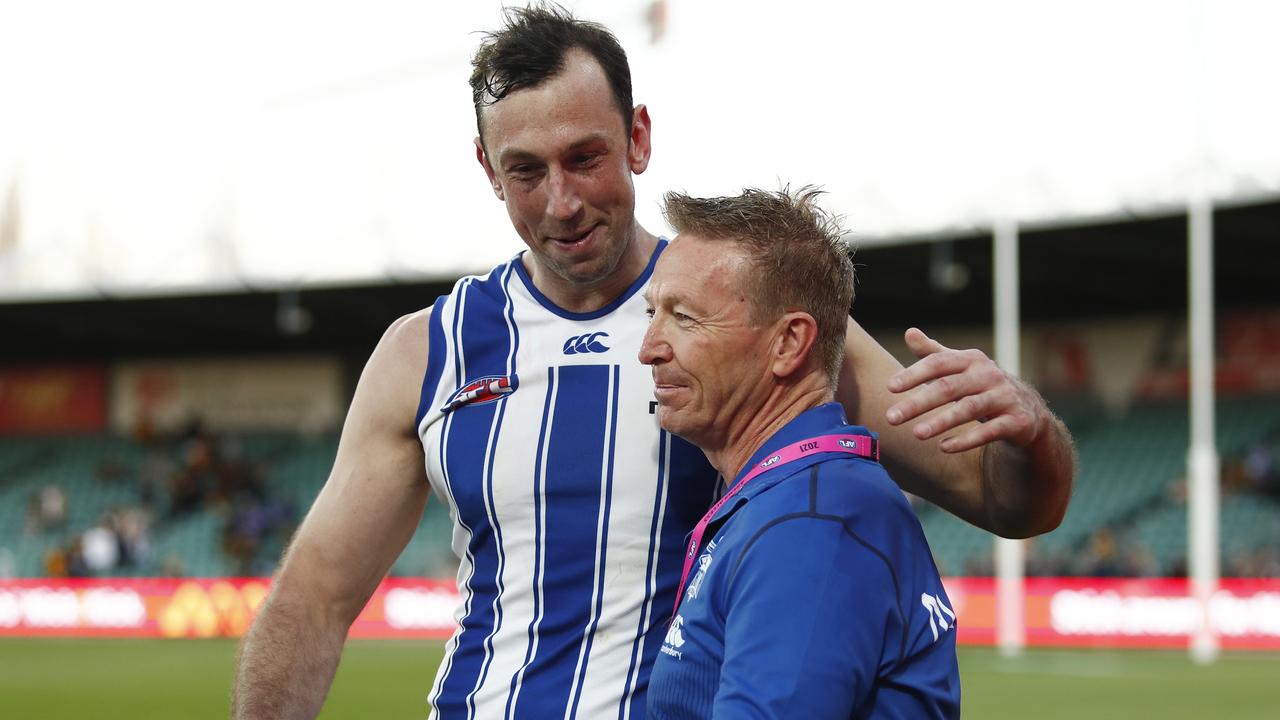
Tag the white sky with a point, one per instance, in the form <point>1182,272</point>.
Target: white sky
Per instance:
<point>155,145</point>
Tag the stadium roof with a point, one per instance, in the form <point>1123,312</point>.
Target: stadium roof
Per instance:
<point>1089,271</point>
<point>251,146</point>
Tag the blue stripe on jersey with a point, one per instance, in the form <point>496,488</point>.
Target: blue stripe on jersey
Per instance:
<point>603,542</point>
<point>634,704</point>
<point>513,340</point>
<point>488,343</point>
<point>435,360</point>
<point>539,490</point>
<point>575,449</point>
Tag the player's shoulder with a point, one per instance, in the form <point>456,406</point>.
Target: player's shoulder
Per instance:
<point>399,359</point>
<point>407,334</point>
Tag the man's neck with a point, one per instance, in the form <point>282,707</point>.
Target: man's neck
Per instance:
<point>589,298</point>
<point>781,408</point>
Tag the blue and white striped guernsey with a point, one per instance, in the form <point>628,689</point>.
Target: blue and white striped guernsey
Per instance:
<point>569,503</point>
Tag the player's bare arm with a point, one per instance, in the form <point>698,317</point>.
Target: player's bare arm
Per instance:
<point>962,433</point>
<point>359,524</point>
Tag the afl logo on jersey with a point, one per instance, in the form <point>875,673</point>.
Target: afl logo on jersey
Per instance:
<point>486,389</point>
<point>583,344</point>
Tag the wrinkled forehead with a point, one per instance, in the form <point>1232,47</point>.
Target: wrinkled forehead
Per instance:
<point>695,269</point>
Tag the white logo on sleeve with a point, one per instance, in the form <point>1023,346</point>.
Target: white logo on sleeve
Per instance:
<point>675,638</point>
<point>704,562</point>
<point>938,614</point>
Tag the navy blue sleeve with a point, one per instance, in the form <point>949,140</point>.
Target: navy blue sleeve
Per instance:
<point>808,611</point>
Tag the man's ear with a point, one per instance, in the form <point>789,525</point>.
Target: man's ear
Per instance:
<point>793,343</point>
<point>483,159</point>
<point>639,148</point>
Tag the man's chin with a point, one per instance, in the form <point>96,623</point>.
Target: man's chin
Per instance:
<point>672,421</point>
<point>584,272</point>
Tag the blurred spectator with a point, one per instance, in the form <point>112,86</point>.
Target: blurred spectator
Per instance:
<point>235,475</point>
<point>172,567</point>
<point>1107,556</point>
<point>252,522</point>
<point>75,563</point>
<point>8,564</point>
<point>1046,563</point>
<point>132,526</point>
<point>1260,563</point>
<point>111,469</point>
<point>55,562</point>
<point>1261,471</point>
<point>100,547</point>
<point>47,509</point>
<point>154,477</point>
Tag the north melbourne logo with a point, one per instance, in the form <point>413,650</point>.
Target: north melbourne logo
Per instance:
<point>584,344</point>
<point>940,616</point>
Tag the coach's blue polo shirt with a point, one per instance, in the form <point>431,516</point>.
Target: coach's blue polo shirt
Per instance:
<point>817,597</point>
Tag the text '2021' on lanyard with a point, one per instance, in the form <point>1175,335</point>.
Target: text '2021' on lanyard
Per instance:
<point>864,446</point>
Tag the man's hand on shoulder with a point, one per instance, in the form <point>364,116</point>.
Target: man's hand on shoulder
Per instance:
<point>1027,459</point>
<point>964,386</point>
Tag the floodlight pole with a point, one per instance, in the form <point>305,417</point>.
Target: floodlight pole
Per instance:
<point>1202,455</point>
<point>1010,596</point>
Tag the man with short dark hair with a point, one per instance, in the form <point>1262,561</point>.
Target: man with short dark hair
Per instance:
<point>518,401</point>
<point>813,594</point>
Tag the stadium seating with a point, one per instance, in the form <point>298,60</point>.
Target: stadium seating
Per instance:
<point>1129,474</point>
<point>1130,468</point>
<point>99,473</point>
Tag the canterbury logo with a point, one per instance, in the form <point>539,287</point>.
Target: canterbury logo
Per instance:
<point>583,344</point>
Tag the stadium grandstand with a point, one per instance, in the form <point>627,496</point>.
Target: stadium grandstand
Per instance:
<point>80,455</point>
<point>191,282</point>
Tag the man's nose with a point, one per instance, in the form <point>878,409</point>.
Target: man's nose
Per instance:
<point>652,349</point>
<point>563,201</point>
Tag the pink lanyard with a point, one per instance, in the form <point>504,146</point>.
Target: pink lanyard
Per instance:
<point>864,446</point>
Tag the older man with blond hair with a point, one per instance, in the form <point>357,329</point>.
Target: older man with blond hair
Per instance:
<point>808,589</point>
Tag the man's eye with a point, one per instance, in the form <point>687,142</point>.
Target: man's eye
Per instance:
<point>681,317</point>
<point>649,313</point>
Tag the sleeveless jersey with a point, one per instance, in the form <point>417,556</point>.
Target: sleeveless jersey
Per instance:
<point>570,504</point>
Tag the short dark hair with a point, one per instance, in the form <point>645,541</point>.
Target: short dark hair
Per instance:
<point>797,250</point>
<point>530,48</point>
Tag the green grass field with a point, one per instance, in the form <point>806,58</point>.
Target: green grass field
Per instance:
<point>52,679</point>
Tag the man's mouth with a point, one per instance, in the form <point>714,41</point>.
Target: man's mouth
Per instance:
<point>575,239</point>
<point>664,390</point>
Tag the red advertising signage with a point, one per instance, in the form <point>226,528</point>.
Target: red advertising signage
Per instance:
<point>1059,611</point>
<point>53,398</point>
<point>1122,612</point>
<point>201,608</point>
